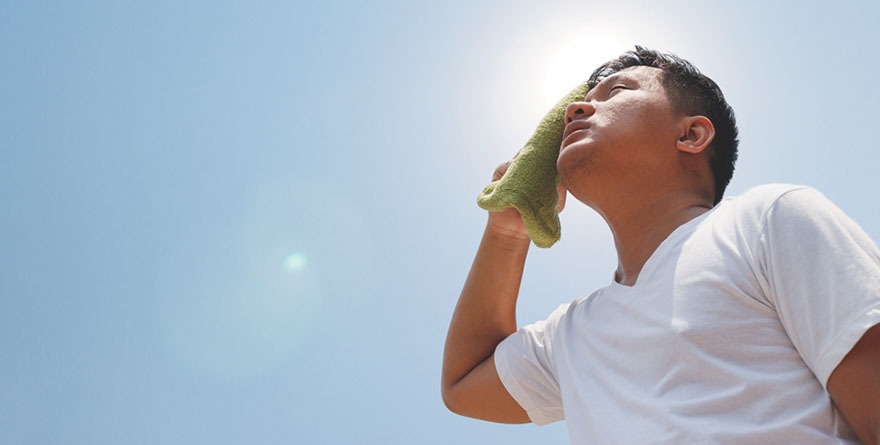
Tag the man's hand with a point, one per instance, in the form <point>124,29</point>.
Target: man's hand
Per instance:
<point>509,222</point>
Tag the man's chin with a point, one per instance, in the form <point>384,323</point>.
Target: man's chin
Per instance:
<point>574,161</point>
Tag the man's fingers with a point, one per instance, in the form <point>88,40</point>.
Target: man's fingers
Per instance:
<point>562,194</point>
<point>499,172</point>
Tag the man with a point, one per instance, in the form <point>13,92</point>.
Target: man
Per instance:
<point>748,320</point>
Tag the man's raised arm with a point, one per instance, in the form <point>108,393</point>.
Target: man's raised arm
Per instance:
<point>484,316</point>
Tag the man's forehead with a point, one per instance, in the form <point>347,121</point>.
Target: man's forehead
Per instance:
<point>637,72</point>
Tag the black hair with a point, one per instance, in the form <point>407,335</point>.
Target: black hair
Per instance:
<point>689,92</point>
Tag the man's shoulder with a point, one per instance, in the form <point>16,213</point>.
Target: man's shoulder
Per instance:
<point>751,208</point>
<point>762,198</point>
<point>768,193</point>
<point>780,204</point>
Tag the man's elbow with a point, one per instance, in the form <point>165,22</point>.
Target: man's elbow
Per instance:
<point>458,401</point>
<point>483,406</point>
<point>448,394</point>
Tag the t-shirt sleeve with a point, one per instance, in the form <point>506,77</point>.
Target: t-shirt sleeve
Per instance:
<point>525,365</point>
<point>823,275</point>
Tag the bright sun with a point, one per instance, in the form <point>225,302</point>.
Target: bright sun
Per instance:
<point>575,59</point>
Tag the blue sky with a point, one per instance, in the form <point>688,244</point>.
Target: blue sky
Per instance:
<point>249,222</point>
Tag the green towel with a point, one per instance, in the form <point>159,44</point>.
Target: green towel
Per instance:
<point>529,185</point>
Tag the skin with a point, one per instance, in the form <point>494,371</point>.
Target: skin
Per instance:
<point>855,387</point>
<point>624,127</point>
<point>628,127</point>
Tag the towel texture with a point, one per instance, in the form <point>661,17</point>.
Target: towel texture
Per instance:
<point>529,185</point>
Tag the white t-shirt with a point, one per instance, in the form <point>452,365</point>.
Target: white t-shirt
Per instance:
<point>729,335</point>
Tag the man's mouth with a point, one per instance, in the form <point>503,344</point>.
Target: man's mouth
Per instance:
<point>576,128</point>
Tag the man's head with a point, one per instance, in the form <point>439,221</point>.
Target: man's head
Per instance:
<point>692,93</point>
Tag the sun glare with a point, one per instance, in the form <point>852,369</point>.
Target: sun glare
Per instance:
<point>574,60</point>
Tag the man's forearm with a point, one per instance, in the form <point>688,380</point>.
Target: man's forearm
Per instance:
<point>486,310</point>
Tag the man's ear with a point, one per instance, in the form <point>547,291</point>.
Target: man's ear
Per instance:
<point>696,135</point>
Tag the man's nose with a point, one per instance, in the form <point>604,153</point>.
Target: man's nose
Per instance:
<point>578,110</point>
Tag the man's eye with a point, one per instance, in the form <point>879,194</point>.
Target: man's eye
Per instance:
<point>616,88</point>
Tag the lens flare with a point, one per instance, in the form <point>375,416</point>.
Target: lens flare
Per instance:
<point>241,299</point>
<point>295,262</point>
<point>238,323</point>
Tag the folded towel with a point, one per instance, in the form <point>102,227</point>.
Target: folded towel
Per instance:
<point>529,185</point>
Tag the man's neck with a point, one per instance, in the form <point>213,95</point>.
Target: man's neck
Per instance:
<point>639,229</point>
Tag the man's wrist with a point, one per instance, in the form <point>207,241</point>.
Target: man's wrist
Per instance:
<point>507,236</point>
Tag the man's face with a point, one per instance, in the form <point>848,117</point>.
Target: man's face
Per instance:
<point>622,127</point>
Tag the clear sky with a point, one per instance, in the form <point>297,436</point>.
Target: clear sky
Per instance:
<point>248,222</point>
